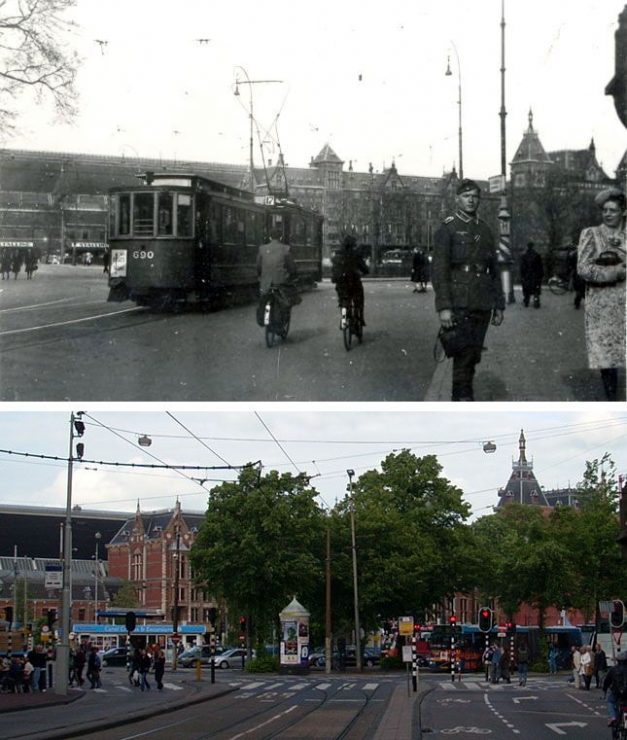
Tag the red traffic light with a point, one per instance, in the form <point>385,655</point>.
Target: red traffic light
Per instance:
<point>452,619</point>
<point>485,619</point>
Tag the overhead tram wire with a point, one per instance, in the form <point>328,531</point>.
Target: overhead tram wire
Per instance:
<point>198,439</point>
<point>279,445</point>
<point>563,430</point>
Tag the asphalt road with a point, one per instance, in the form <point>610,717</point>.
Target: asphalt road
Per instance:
<point>544,708</point>
<point>61,341</point>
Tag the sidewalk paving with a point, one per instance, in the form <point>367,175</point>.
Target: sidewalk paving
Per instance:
<point>535,355</point>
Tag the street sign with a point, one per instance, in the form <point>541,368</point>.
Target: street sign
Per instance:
<point>45,629</point>
<point>406,626</point>
<point>497,183</point>
<point>176,637</point>
<point>54,577</point>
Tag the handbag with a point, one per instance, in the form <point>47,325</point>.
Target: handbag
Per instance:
<point>453,339</point>
<point>608,259</point>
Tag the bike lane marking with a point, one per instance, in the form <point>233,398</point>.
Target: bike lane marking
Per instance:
<point>505,721</point>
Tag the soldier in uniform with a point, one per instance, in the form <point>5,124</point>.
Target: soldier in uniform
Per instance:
<point>467,284</point>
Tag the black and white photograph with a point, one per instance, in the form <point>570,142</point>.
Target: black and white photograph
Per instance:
<point>421,202</point>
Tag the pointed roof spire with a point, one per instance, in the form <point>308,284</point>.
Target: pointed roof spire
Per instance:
<point>530,116</point>
<point>592,146</point>
<point>521,447</point>
<point>137,510</point>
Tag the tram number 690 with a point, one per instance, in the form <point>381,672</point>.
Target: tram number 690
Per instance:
<point>143,255</point>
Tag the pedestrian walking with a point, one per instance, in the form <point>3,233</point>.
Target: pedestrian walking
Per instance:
<point>93,668</point>
<point>497,654</point>
<point>576,665</point>
<point>602,263</point>
<point>467,283</point>
<point>419,271</point>
<point>523,665</point>
<point>487,661</point>
<point>552,659</point>
<point>144,667</point>
<point>531,275</point>
<point>586,668</point>
<point>578,284</point>
<point>159,665</point>
<point>600,665</point>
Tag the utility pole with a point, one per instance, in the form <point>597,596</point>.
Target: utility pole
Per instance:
<point>175,616</point>
<point>504,215</point>
<point>328,637</point>
<point>350,474</point>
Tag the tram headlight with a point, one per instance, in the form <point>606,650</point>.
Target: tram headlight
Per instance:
<point>118,263</point>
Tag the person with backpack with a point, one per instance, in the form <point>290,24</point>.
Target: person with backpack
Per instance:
<point>615,686</point>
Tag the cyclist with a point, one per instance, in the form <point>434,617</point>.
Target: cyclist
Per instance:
<point>348,267</point>
<point>615,686</point>
<point>276,266</point>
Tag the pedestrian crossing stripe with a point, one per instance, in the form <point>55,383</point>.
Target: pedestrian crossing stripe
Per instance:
<point>323,686</point>
<point>173,686</point>
<point>125,688</point>
<point>370,686</point>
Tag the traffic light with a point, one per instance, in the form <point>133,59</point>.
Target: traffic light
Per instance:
<point>242,625</point>
<point>130,620</point>
<point>452,620</point>
<point>213,615</point>
<point>52,617</point>
<point>417,629</point>
<point>617,615</point>
<point>80,450</point>
<point>510,628</point>
<point>485,619</point>
<point>8,614</point>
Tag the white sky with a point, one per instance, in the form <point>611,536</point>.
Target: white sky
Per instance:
<point>323,443</point>
<point>154,79</point>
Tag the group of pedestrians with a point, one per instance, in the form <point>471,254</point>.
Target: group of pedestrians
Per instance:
<point>25,673</point>
<point>496,661</point>
<point>140,665</point>
<point>588,664</point>
<point>12,259</point>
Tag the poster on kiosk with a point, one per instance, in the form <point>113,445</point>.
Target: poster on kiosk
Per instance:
<point>294,638</point>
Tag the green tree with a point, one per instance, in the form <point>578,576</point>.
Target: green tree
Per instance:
<point>125,597</point>
<point>410,538</point>
<point>590,531</point>
<point>33,55</point>
<point>261,543</point>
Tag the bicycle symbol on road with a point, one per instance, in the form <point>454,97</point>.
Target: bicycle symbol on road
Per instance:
<point>466,731</point>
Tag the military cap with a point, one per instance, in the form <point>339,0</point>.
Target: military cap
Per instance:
<point>465,185</point>
<point>609,193</point>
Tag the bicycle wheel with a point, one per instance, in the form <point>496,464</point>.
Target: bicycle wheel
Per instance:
<point>270,335</point>
<point>359,327</point>
<point>348,329</point>
<point>557,286</point>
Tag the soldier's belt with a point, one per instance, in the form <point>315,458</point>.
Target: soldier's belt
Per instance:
<point>479,269</point>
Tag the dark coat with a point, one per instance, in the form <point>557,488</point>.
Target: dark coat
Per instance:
<point>465,270</point>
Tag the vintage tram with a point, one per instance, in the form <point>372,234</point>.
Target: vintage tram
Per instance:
<point>178,238</point>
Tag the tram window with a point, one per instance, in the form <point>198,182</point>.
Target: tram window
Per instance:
<point>214,225</point>
<point>229,225</point>
<point>143,214</point>
<point>298,230</point>
<point>165,220</point>
<point>184,214</point>
<point>125,215</point>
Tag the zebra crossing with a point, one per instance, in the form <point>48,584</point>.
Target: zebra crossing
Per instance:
<point>474,685</point>
<point>271,690</point>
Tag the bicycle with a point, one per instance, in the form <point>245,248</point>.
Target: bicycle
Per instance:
<point>276,316</point>
<point>351,323</point>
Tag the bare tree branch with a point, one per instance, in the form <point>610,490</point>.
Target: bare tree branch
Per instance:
<point>34,55</point>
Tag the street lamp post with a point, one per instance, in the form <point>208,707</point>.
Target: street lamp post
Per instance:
<point>176,559</point>
<point>77,429</point>
<point>448,73</point>
<point>350,474</point>
<point>251,117</point>
<point>98,537</point>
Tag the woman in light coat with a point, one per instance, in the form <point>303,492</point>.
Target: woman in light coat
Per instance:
<point>601,263</point>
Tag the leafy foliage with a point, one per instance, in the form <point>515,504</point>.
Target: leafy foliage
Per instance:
<point>261,543</point>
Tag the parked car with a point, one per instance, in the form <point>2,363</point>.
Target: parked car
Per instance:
<point>369,658</point>
<point>316,658</point>
<point>114,656</point>
<point>188,658</point>
<point>231,658</point>
<point>396,257</point>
